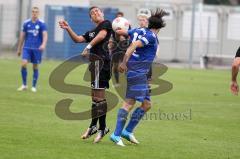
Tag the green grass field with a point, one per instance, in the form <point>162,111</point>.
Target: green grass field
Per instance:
<point>29,127</point>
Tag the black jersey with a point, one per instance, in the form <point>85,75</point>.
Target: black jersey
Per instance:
<point>238,53</point>
<point>119,48</point>
<point>120,45</point>
<point>100,48</point>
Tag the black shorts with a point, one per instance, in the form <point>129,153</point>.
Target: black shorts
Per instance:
<point>238,53</point>
<point>100,74</point>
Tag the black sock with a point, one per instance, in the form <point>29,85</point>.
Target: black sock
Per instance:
<point>102,112</point>
<point>94,115</point>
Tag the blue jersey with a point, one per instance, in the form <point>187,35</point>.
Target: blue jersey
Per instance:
<point>33,33</point>
<point>142,58</point>
<point>136,34</point>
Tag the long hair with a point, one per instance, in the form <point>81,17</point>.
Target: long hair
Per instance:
<point>156,20</point>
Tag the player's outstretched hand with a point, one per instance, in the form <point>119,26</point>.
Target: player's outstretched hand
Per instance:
<point>42,47</point>
<point>234,88</point>
<point>63,24</point>
<point>122,67</point>
<point>85,53</point>
<point>19,53</point>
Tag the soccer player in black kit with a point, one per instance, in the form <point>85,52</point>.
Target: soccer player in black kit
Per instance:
<point>100,76</point>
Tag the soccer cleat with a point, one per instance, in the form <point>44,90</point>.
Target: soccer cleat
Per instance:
<point>100,135</point>
<point>22,88</point>
<point>117,140</point>
<point>129,136</point>
<point>89,132</point>
<point>34,89</point>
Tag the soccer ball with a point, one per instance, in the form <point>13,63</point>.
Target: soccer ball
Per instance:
<point>120,23</point>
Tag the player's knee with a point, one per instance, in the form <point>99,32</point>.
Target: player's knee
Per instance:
<point>236,63</point>
<point>146,106</point>
<point>128,106</point>
<point>97,99</point>
<point>35,66</point>
<point>24,63</point>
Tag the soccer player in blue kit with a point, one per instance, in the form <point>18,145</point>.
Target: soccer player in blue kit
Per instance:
<point>34,37</point>
<point>136,64</point>
<point>137,33</point>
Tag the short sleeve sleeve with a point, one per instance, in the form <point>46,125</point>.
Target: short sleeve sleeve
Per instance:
<point>44,27</point>
<point>130,32</point>
<point>24,27</point>
<point>106,25</point>
<point>86,36</point>
<point>147,39</point>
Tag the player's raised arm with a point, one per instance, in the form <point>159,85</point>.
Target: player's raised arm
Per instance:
<point>76,38</point>
<point>129,52</point>
<point>20,43</point>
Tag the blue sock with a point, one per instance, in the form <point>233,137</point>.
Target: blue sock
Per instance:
<point>121,120</point>
<point>24,75</point>
<point>35,77</point>
<point>136,117</point>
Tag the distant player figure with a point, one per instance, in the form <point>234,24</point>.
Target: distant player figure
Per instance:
<point>34,37</point>
<point>119,14</point>
<point>96,39</point>
<point>118,46</point>
<point>136,63</point>
<point>235,68</point>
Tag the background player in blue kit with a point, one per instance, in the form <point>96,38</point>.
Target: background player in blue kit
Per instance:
<point>34,37</point>
<point>137,64</point>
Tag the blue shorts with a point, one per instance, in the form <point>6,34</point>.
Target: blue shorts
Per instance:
<point>32,55</point>
<point>137,87</point>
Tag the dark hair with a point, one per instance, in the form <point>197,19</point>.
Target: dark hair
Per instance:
<point>91,8</point>
<point>120,13</point>
<point>156,21</point>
